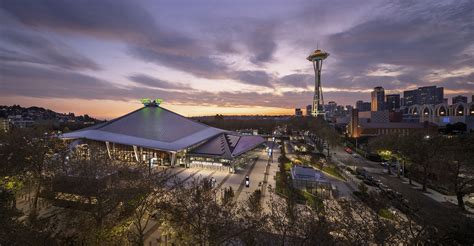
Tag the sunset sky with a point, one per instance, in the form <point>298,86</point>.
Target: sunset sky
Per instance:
<point>227,56</point>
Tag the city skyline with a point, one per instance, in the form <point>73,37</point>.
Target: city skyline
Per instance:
<point>205,58</point>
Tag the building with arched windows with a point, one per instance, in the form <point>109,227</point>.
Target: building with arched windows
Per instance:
<point>441,114</point>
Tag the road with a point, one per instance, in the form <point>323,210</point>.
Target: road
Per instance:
<point>441,214</point>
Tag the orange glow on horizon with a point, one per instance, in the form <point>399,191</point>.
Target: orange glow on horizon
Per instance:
<point>108,109</point>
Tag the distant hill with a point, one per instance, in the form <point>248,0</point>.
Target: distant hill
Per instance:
<point>25,117</point>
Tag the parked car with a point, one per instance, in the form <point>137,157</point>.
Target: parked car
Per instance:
<point>383,187</point>
<point>369,182</point>
<point>374,157</point>
<point>361,171</point>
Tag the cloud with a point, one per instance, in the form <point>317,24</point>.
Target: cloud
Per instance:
<point>393,44</point>
<point>34,81</point>
<point>297,80</point>
<point>259,78</point>
<point>149,40</point>
<point>105,19</point>
<point>261,42</point>
<point>198,65</point>
<point>402,46</point>
<point>39,50</point>
<point>149,81</point>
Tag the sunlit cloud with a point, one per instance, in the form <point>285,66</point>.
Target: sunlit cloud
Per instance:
<point>388,70</point>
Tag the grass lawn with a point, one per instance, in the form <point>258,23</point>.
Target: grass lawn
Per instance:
<point>313,201</point>
<point>385,213</point>
<point>288,166</point>
<point>333,172</point>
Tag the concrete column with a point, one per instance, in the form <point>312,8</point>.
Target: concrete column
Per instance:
<point>173,158</point>
<point>135,150</point>
<point>107,144</point>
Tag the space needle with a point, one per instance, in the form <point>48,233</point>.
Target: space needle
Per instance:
<point>317,58</point>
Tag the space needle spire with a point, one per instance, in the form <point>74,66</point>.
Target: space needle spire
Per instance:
<point>317,58</point>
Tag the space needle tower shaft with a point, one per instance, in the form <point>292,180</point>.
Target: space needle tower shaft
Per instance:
<point>317,58</point>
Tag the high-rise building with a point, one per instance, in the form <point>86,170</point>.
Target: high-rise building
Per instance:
<point>363,106</point>
<point>430,95</point>
<point>331,108</point>
<point>340,110</point>
<point>459,99</point>
<point>308,110</point>
<point>410,98</point>
<point>353,128</point>
<point>424,95</point>
<point>349,108</point>
<point>378,99</point>
<point>298,112</point>
<point>392,102</point>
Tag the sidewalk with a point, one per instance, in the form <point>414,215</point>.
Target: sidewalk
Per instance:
<point>435,195</point>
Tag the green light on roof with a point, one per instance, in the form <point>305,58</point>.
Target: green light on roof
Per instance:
<point>149,102</point>
<point>145,101</point>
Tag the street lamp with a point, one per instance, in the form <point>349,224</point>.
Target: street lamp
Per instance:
<point>357,136</point>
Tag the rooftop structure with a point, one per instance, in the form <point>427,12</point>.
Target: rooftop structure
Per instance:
<point>308,177</point>
<point>152,127</point>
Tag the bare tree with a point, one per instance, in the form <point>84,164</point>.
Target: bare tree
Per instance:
<point>457,168</point>
<point>196,215</point>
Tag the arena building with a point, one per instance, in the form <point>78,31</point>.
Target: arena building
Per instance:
<point>158,137</point>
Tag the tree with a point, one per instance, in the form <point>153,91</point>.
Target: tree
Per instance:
<point>17,153</point>
<point>145,206</point>
<point>457,168</point>
<point>251,219</point>
<point>196,215</point>
<point>117,198</point>
<point>387,146</point>
<point>329,136</point>
<point>31,151</point>
<point>423,150</point>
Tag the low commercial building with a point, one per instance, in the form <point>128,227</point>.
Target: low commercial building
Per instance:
<point>375,116</point>
<point>398,128</point>
<point>359,127</point>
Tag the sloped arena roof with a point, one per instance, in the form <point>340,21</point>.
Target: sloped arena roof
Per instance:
<point>158,128</point>
<point>228,145</point>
